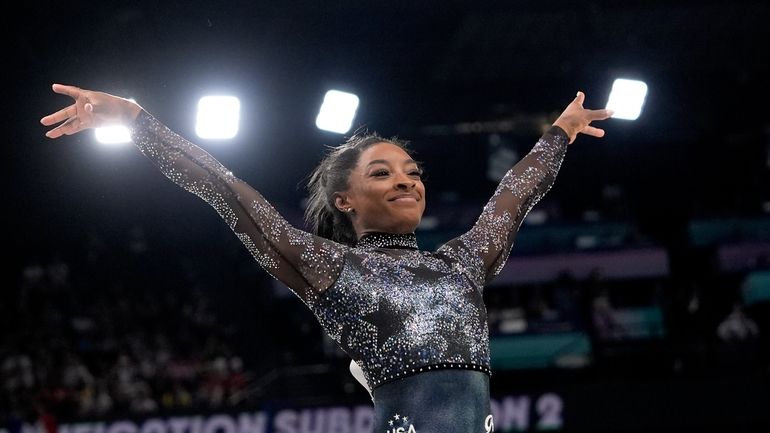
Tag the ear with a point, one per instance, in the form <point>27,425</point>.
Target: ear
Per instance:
<point>341,201</point>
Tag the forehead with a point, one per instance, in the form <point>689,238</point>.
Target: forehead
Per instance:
<point>384,151</point>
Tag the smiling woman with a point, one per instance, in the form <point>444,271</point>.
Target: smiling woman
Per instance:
<point>367,185</point>
<point>354,184</point>
<point>413,321</point>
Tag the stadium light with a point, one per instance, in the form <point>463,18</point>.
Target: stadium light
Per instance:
<point>115,134</point>
<point>337,111</point>
<point>217,117</point>
<point>627,98</point>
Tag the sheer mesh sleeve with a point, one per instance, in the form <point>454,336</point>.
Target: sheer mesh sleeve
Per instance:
<point>307,264</point>
<point>484,249</point>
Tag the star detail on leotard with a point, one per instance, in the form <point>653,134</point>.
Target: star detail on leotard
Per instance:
<point>383,320</point>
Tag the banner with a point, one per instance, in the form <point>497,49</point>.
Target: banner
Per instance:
<point>509,413</point>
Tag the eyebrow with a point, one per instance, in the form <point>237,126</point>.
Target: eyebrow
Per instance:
<point>382,161</point>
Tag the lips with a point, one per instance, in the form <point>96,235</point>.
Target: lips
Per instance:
<point>405,197</point>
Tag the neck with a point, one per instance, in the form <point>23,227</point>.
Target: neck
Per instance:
<point>387,240</point>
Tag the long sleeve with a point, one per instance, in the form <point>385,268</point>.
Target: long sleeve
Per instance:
<point>484,249</point>
<point>307,264</point>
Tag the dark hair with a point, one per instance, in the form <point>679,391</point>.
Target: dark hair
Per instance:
<point>331,176</point>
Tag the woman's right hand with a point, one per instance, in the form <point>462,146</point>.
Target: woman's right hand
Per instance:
<point>90,110</point>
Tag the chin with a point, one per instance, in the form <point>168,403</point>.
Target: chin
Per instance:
<point>399,221</point>
<point>409,225</point>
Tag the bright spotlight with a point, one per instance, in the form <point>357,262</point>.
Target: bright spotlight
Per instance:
<point>337,112</point>
<point>217,117</point>
<point>116,134</point>
<point>627,98</point>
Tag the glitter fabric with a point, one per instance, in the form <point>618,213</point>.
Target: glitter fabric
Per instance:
<point>396,310</point>
<point>387,240</point>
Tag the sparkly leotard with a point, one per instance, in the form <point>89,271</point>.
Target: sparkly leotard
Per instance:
<point>401,313</point>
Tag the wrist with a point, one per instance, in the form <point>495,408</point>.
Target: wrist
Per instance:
<point>564,128</point>
<point>557,130</point>
<point>131,110</point>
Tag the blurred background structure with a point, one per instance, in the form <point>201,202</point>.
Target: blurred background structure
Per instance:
<point>636,298</point>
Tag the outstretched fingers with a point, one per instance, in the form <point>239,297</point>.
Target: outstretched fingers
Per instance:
<point>72,117</point>
<point>69,127</point>
<point>61,115</point>
<point>600,114</point>
<point>63,89</point>
<point>596,115</point>
<point>72,123</point>
<point>593,131</point>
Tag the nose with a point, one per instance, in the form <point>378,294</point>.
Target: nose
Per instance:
<point>403,181</point>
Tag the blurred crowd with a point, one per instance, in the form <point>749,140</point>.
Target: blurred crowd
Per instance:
<point>112,339</point>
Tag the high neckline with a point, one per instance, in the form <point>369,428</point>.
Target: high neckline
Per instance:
<point>387,240</point>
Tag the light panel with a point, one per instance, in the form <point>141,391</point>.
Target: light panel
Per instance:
<point>627,98</point>
<point>217,117</point>
<point>115,134</point>
<point>337,111</point>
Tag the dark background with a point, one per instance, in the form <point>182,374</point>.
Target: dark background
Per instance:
<point>698,147</point>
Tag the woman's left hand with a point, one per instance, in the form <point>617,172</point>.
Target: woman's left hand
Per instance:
<point>576,120</point>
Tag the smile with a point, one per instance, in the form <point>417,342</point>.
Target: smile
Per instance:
<point>404,198</point>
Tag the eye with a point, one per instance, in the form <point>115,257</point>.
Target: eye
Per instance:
<point>381,172</point>
<point>417,173</point>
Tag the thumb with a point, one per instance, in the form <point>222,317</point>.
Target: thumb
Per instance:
<point>580,97</point>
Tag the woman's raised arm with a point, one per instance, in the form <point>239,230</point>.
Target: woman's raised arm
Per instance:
<point>489,241</point>
<point>305,263</point>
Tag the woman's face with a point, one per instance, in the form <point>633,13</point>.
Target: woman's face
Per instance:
<point>385,191</point>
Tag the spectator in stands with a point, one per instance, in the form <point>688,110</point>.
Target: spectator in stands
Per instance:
<point>603,317</point>
<point>567,300</point>
<point>737,326</point>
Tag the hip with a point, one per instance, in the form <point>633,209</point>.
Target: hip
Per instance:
<point>441,401</point>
